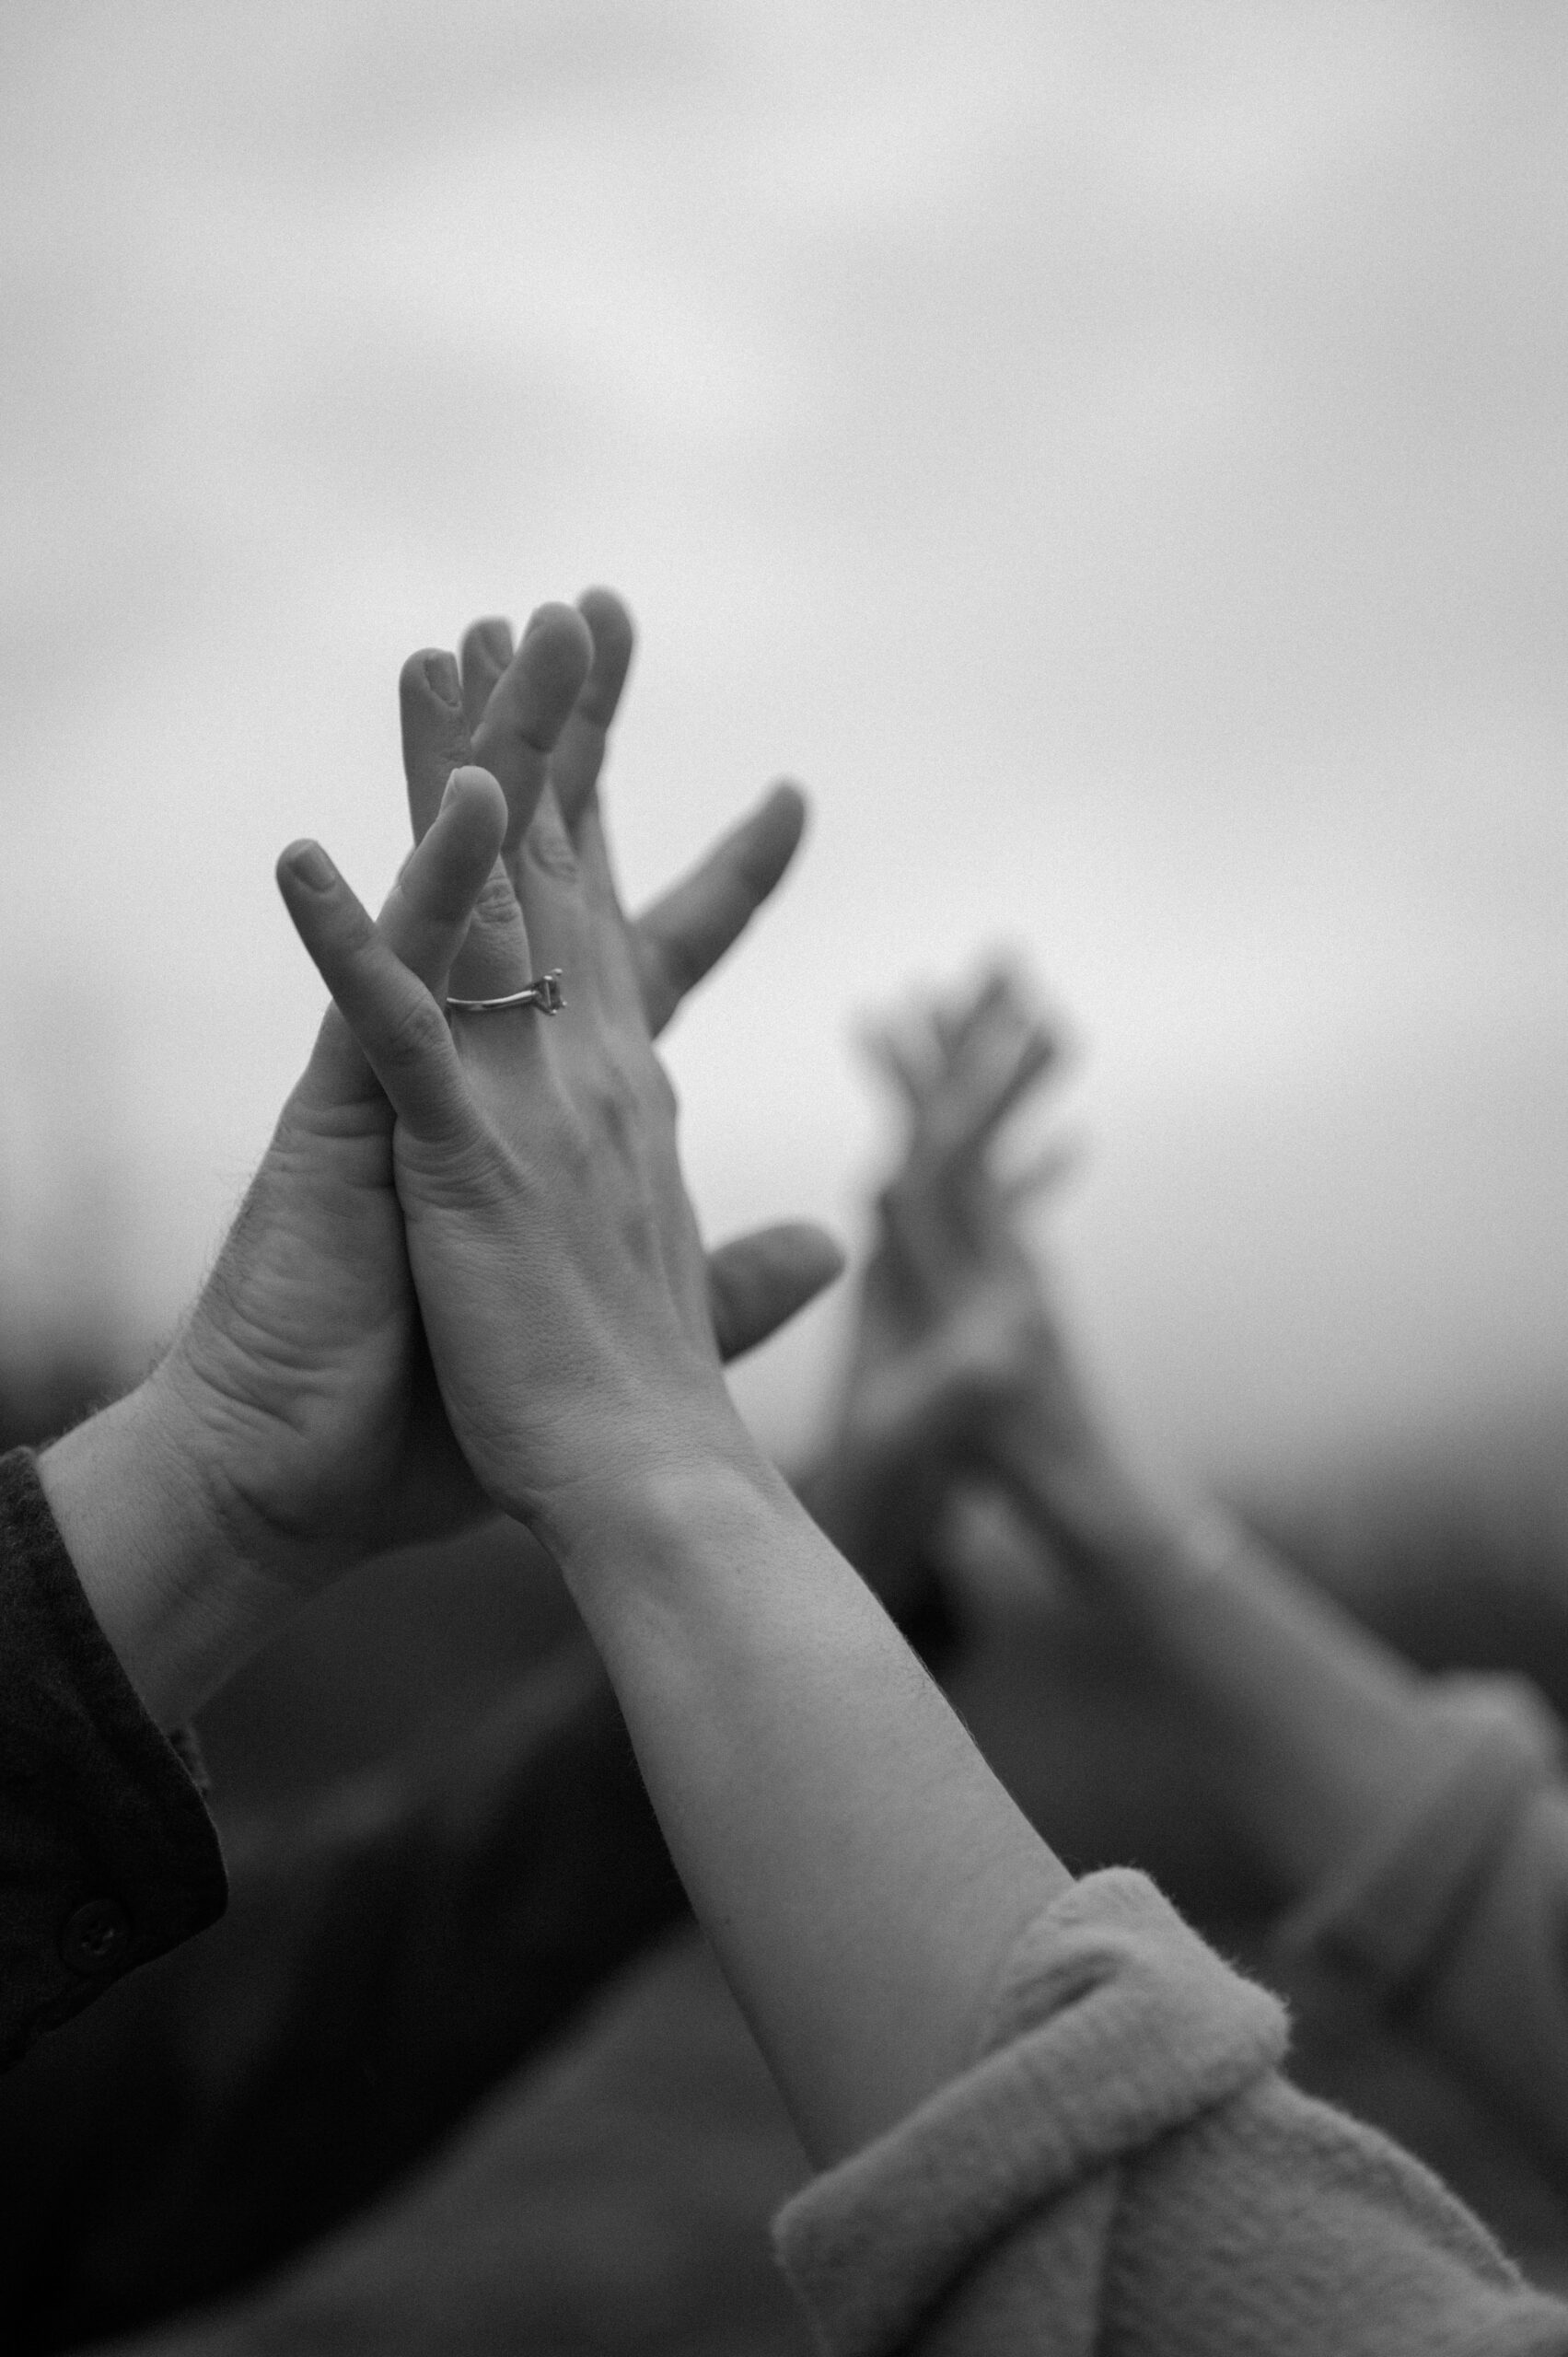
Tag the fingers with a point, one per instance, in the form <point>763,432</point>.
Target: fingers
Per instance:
<point>1043,1173</point>
<point>426,914</point>
<point>962,1068</point>
<point>421,919</point>
<point>686,930</point>
<point>485,652</point>
<point>547,881</point>
<point>435,730</point>
<point>578,757</point>
<point>900,1056</point>
<point>496,957</point>
<point>757,1282</point>
<point>390,1012</point>
<point>971,1106</point>
<point>433,698</point>
<point>995,990</point>
<point>528,708</point>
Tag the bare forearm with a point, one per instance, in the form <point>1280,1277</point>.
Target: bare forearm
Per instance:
<point>1319,1726</point>
<point>858,1868</point>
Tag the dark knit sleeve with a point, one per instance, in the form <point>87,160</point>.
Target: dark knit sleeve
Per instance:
<point>108,1856</point>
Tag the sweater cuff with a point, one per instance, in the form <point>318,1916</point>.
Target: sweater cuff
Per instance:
<point>1112,2024</point>
<point>1392,1911</point>
<point>108,1856</point>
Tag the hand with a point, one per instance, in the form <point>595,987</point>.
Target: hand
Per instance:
<point>755,1282</point>
<point>301,1384</point>
<point>960,1362</point>
<point>947,1313</point>
<point>563,1285</point>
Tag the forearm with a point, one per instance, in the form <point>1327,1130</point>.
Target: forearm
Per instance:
<point>858,1868</point>
<point>1318,1729</point>
<point>174,1591</point>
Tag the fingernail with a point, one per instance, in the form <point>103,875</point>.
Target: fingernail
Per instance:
<point>496,638</point>
<point>309,864</point>
<point>441,678</point>
<point>450,789</point>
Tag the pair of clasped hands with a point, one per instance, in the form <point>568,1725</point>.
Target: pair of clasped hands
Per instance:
<point>466,1275</point>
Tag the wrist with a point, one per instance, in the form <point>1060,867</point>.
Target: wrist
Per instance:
<point>139,1517</point>
<point>671,1498</point>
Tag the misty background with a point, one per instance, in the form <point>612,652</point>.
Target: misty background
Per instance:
<point>1113,457</point>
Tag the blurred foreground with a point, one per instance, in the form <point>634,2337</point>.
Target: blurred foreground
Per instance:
<point>635,2168</point>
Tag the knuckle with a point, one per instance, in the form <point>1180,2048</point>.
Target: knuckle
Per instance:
<point>548,847</point>
<point>497,903</point>
<point>613,1108</point>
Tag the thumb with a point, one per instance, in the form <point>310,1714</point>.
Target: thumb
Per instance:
<point>757,1282</point>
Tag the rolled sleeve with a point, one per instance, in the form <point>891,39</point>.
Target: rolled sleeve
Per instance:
<point>1112,2026</point>
<point>1125,2172</point>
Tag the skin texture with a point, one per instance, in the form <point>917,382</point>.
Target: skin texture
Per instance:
<point>856,1865</point>
<point>294,1428</point>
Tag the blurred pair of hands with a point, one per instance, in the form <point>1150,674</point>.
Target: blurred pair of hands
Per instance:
<point>959,1367</point>
<point>302,1392</point>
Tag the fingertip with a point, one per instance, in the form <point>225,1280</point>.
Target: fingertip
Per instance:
<point>770,838</point>
<point>787,807</point>
<point>556,620</point>
<point>614,636</point>
<point>491,638</point>
<point>477,793</point>
<point>534,700</point>
<point>607,616</point>
<point>304,866</point>
<point>757,1282</point>
<point>431,675</point>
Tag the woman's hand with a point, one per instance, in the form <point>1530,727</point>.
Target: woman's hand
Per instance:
<point>295,1427</point>
<point>564,1292</point>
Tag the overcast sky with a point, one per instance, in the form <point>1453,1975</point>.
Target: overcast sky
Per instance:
<point>1113,457</point>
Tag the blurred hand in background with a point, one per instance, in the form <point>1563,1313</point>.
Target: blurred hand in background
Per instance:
<point>957,1367</point>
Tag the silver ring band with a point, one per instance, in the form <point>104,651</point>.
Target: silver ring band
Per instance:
<point>544,993</point>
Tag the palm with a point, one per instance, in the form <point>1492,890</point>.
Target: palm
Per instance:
<point>311,1304</point>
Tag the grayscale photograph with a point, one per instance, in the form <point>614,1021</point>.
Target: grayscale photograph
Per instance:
<point>783,1179</point>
